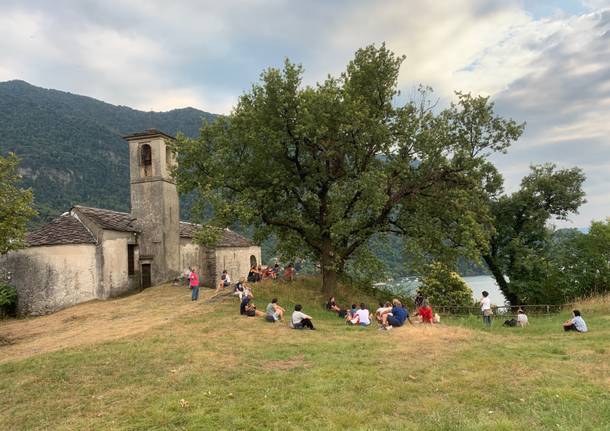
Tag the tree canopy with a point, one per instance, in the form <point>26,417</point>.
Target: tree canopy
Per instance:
<point>326,167</point>
<point>15,206</point>
<point>518,254</point>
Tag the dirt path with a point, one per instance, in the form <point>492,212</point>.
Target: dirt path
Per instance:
<point>96,321</point>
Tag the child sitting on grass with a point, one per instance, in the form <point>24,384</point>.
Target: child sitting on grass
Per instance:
<point>300,320</point>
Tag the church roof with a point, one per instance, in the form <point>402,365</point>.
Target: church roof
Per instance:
<point>65,229</point>
<point>228,239</point>
<point>150,133</point>
<point>112,220</point>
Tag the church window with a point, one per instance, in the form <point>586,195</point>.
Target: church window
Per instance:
<point>146,160</point>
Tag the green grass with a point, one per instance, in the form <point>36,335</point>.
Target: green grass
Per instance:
<point>243,373</point>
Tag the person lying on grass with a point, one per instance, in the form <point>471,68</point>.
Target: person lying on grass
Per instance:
<point>397,317</point>
<point>274,311</point>
<point>577,323</point>
<point>361,316</point>
<point>300,320</point>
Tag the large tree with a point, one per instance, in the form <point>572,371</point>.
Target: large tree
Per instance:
<point>325,168</point>
<point>518,251</point>
<point>15,206</point>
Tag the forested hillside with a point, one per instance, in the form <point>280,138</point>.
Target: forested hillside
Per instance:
<point>71,148</point>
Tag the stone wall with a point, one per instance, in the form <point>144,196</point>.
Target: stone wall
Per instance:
<point>49,278</point>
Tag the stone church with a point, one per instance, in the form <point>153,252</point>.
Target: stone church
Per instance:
<point>92,253</point>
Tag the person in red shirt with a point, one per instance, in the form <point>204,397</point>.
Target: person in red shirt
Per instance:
<point>194,282</point>
<point>425,312</point>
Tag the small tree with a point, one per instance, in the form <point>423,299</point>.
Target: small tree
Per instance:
<point>444,287</point>
<point>15,206</point>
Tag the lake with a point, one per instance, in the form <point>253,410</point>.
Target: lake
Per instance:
<point>477,283</point>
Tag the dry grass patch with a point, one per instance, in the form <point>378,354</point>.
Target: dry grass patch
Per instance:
<point>286,364</point>
<point>95,321</point>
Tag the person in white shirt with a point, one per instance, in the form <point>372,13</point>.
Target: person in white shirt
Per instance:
<point>486,308</point>
<point>361,316</point>
<point>522,319</point>
<point>300,320</point>
<point>577,323</point>
<point>383,309</point>
<point>225,281</point>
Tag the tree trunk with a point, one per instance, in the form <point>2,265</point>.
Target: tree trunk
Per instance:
<point>502,283</point>
<point>329,269</point>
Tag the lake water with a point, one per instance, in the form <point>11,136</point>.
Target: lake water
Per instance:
<point>484,282</point>
<point>478,284</point>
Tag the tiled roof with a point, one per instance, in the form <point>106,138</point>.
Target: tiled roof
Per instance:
<point>65,229</point>
<point>150,133</point>
<point>229,238</point>
<point>112,220</point>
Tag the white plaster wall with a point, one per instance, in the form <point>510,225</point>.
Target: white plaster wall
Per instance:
<point>236,260</point>
<point>49,278</point>
<point>115,277</point>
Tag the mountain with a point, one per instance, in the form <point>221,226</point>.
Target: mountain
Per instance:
<point>71,146</point>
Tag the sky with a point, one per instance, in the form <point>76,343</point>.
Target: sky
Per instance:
<point>546,63</point>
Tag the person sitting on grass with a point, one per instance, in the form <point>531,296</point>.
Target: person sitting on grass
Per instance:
<point>239,288</point>
<point>225,281</point>
<point>351,313</point>
<point>245,300</point>
<point>396,317</point>
<point>300,320</point>
<point>361,316</point>
<point>331,305</point>
<point>577,323</point>
<point>274,311</point>
<point>522,319</point>
<point>251,311</point>
<point>425,312</point>
<point>383,309</point>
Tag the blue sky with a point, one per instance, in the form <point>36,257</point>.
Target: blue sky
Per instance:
<point>543,62</point>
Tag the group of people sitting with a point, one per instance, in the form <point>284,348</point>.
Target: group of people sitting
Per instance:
<point>258,273</point>
<point>388,315</point>
<point>274,311</point>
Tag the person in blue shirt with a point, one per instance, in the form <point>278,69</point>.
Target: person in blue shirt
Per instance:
<point>577,323</point>
<point>397,316</point>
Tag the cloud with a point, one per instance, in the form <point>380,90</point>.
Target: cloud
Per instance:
<point>547,64</point>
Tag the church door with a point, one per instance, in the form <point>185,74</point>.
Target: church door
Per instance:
<point>145,275</point>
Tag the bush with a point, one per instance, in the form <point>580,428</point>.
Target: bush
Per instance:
<point>444,287</point>
<point>8,299</point>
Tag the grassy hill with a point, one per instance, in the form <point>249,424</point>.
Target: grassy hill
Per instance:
<point>156,361</point>
<point>71,148</point>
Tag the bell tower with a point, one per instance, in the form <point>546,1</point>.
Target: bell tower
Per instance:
<point>154,203</point>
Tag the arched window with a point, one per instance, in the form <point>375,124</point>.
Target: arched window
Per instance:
<point>146,160</point>
<point>252,261</point>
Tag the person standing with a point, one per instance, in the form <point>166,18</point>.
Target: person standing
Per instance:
<point>194,282</point>
<point>486,308</point>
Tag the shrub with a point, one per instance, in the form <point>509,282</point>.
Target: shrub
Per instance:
<point>444,287</point>
<point>8,299</point>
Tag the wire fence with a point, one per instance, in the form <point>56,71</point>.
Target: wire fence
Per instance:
<point>503,310</point>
